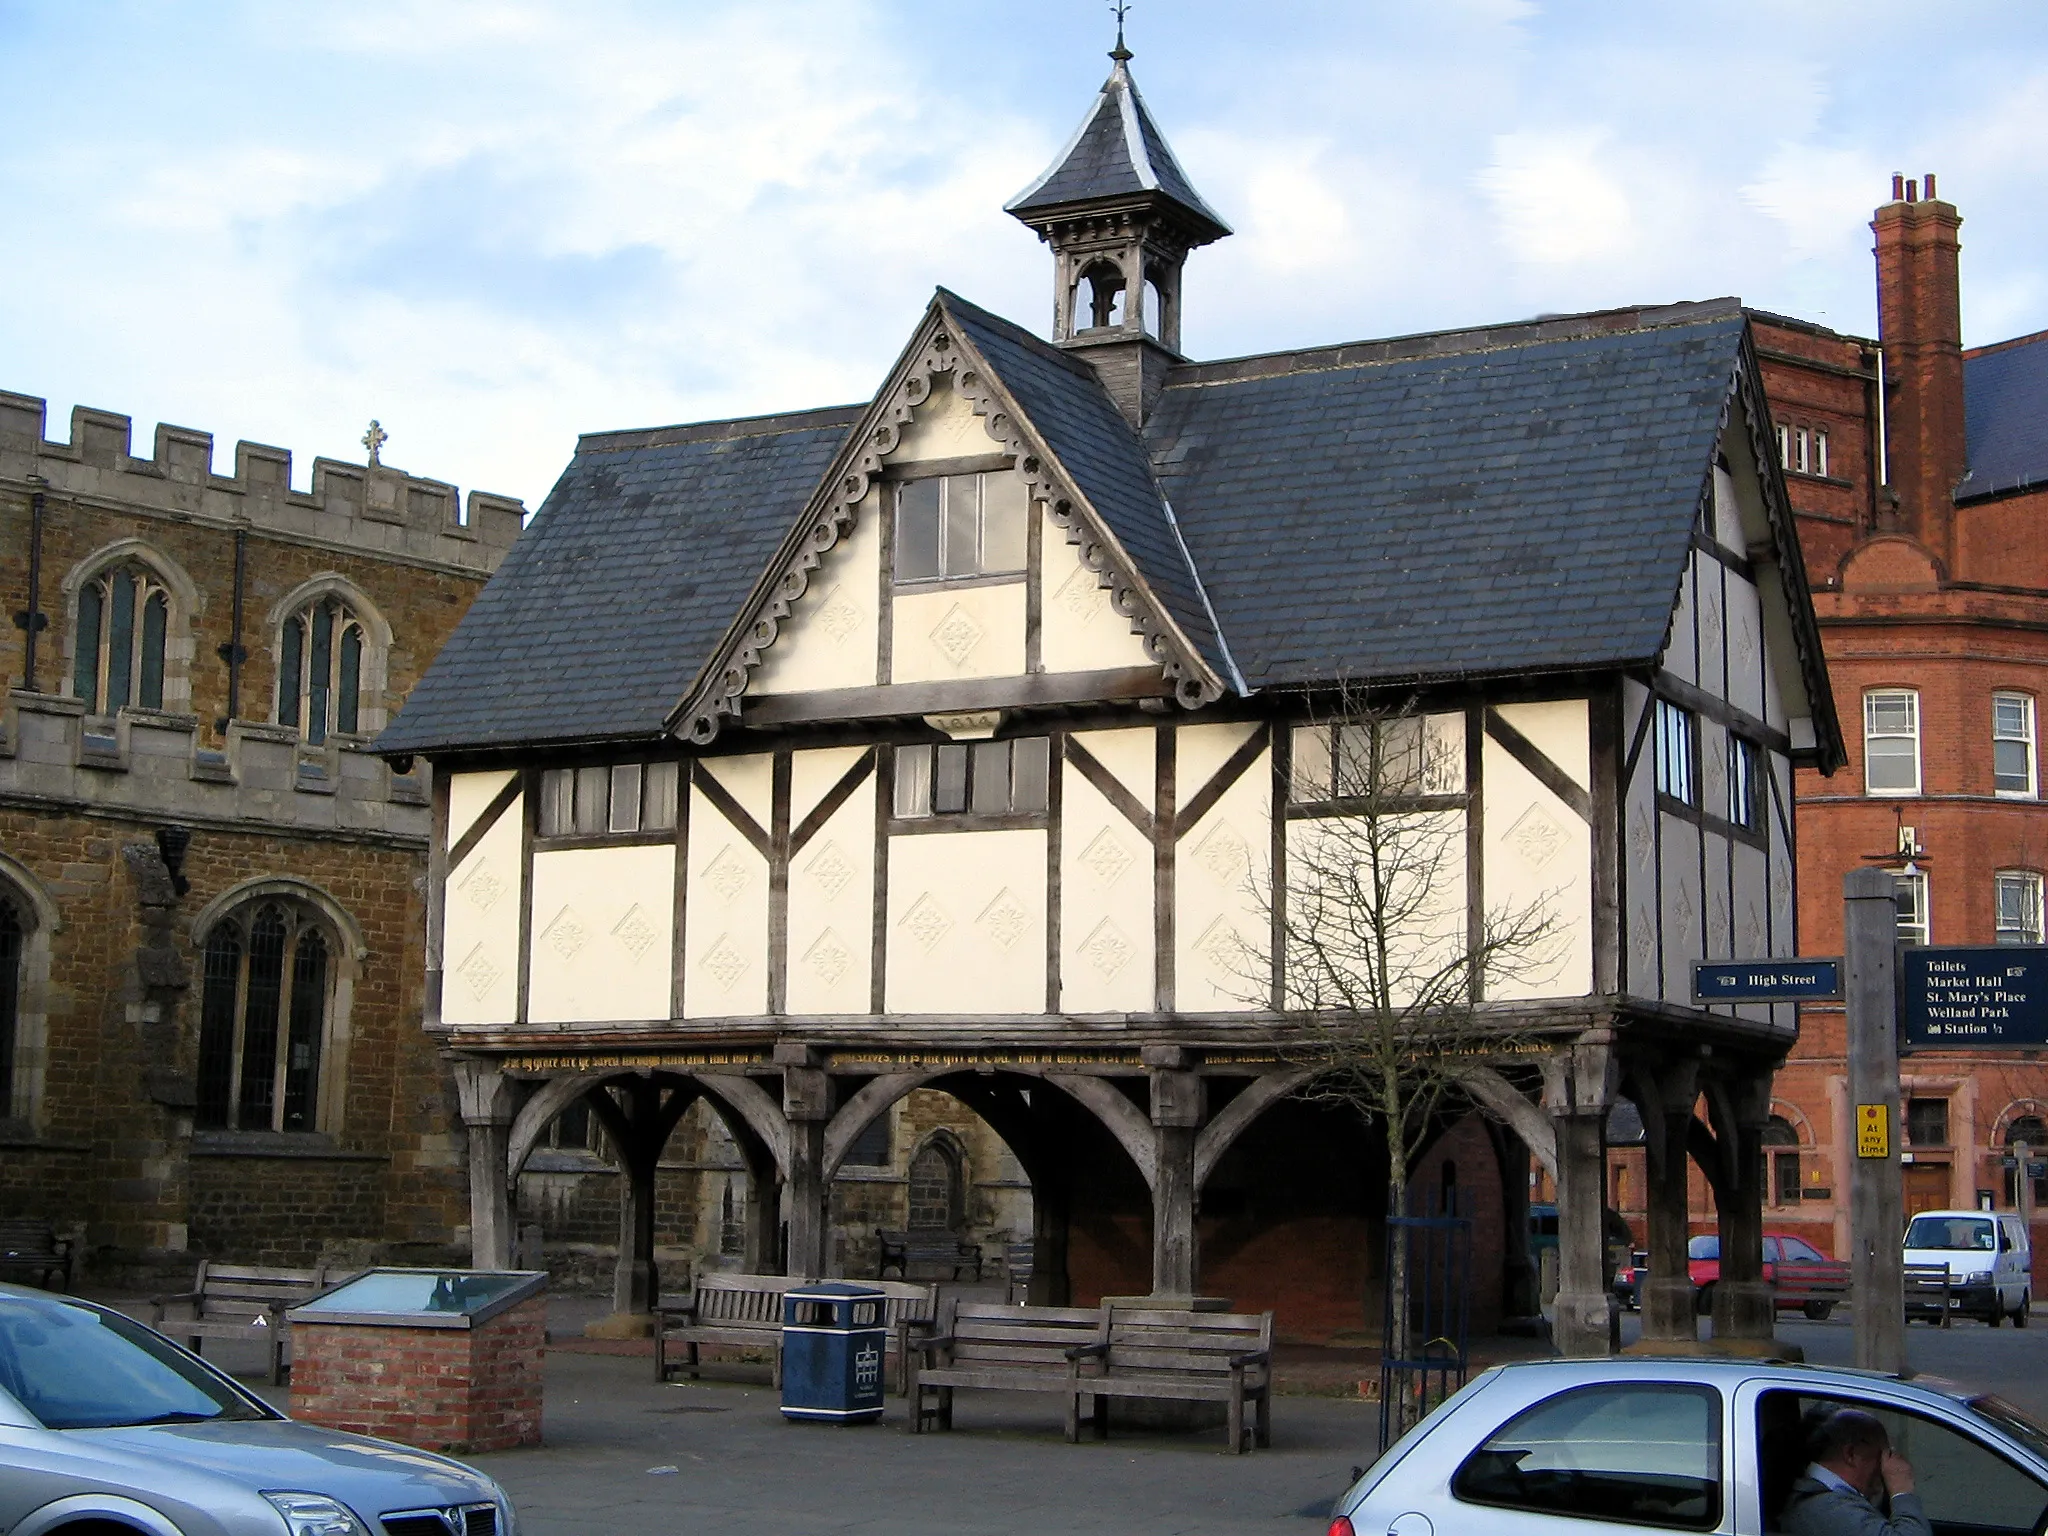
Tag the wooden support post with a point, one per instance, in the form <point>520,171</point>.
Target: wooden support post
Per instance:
<point>1877,1196</point>
<point>1667,1294</point>
<point>1743,1304</point>
<point>807,1105</point>
<point>1587,1323</point>
<point>486,1097</point>
<point>1177,1101</point>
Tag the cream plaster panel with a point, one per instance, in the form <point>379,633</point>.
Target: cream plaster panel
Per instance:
<point>749,780</point>
<point>958,632</point>
<point>603,934</point>
<point>1754,935</point>
<point>1322,936</point>
<point>831,909</point>
<point>1718,889</point>
<point>725,924</point>
<point>944,427</point>
<point>1538,854</point>
<point>812,775</point>
<point>1080,630</point>
<point>1106,909</point>
<point>1707,581</point>
<point>1684,904</point>
<point>1558,730</point>
<point>1745,648</point>
<point>1199,750</point>
<point>1678,656</point>
<point>831,637</point>
<point>480,923</point>
<point>1641,971</point>
<point>1784,687</point>
<point>1222,869</point>
<point>967,923</point>
<point>1713,766</point>
<point>1784,886</point>
<point>468,795</point>
<point>1132,758</point>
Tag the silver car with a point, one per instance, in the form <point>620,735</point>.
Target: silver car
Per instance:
<point>1548,1447</point>
<point>107,1426</point>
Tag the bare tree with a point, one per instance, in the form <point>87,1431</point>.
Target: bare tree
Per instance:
<point>1387,958</point>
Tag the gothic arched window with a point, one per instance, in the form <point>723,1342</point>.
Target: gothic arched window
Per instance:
<point>320,669</point>
<point>124,613</point>
<point>263,1013</point>
<point>937,1192</point>
<point>1781,1153</point>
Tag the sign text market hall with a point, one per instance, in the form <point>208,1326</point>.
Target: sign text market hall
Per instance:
<point>1991,996</point>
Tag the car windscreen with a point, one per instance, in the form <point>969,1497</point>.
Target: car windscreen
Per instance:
<point>1703,1248</point>
<point>1969,1234</point>
<point>76,1367</point>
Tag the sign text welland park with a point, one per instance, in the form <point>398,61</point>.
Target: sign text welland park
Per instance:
<point>1994,996</point>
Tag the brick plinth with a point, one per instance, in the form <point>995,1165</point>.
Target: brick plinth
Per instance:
<point>463,1390</point>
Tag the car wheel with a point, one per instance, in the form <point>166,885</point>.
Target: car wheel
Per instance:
<point>1997,1313</point>
<point>1818,1311</point>
<point>2019,1318</point>
<point>1703,1304</point>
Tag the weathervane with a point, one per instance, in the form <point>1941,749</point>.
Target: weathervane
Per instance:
<point>1120,53</point>
<point>375,438</point>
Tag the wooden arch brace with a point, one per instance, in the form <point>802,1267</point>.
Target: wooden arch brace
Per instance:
<point>1501,1098</point>
<point>739,1095</point>
<point>1236,1117</point>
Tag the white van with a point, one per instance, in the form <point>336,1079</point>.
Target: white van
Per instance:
<point>1990,1263</point>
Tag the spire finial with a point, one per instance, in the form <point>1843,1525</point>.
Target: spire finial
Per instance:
<point>375,439</point>
<point>1120,53</point>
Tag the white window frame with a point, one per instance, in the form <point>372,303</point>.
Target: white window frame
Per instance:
<point>1820,451</point>
<point>2024,733</point>
<point>2017,921</point>
<point>1872,733</point>
<point>1678,758</point>
<point>1915,921</point>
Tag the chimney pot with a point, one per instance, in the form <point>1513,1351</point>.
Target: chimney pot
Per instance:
<point>1912,191</point>
<point>1898,186</point>
<point>1928,182</point>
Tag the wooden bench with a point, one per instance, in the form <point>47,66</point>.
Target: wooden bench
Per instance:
<point>29,1246</point>
<point>242,1301</point>
<point>1180,1356</point>
<point>1018,1263</point>
<point>911,1308</point>
<point>740,1310</point>
<point>1003,1349</point>
<point>1929,1285</point>
<point>1819,1286</point>
<point>938,1249</point>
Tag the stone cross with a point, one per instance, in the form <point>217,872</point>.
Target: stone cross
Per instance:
<point>374,439</point>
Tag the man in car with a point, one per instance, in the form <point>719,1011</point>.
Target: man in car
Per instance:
<point>1853,1467</point>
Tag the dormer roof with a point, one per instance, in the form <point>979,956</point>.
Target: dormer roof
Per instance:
<point>1117,153</point>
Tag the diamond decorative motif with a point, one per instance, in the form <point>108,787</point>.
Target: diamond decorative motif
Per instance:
<point>1105,858</point>
<point>926,922</point>
<point>723,962</point>
<point>566,934</point>
<point>828,959</point>
<point>1081,595</point>
<point>727,874</point>
<point>1752,929</point>
<point>831,870</point>
<point>957,634</point>
<point>1781,887</point>
<point>1640,841</point>
<point>1004,919</point>
<point>1536,836</point>
<point>634,932</point>
<point>838,618</point>
<point>1106,949</point>
<point>1682,907</point>
<point>1223,947</point>
<point>1644,937</point>
<point>1717,920</point>
<point>1745,644</point>
<point>479,972</point>
<point>1225,854</point>
<point>1710,618</point>
<point>482,886</point>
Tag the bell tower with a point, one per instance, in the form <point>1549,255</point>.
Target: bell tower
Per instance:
<point>1121,218</point>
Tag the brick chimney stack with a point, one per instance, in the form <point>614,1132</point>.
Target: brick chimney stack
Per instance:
<point>1919,309</point>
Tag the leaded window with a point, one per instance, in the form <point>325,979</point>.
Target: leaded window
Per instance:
<point>124,614</point>
<point>263,1009</point>
<point>960,525</point>
<point>1405,755</point>
<point>1745,783</point>
<point>973,778</point>
<point>1677,753</point>
<point>320,670</point>
<point>608,798</point>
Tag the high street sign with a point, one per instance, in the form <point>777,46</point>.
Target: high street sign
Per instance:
<point>1766,981</point>
<point>1995,995</point>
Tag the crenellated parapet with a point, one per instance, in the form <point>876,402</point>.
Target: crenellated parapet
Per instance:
<point>156,765</point>
<point>373,508</point>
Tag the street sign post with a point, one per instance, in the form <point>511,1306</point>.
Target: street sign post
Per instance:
<point>1993,996</point>
<point>1877,1275</point>
<point>1766,981</point>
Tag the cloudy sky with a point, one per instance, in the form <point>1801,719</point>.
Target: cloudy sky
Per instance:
<point>496,223</point>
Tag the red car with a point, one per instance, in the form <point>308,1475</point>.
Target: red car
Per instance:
<point>1703,1264</point>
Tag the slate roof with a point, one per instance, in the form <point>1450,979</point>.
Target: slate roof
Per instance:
<point>1061,396</point>
<point>617,591</point>
<point>1505,508</point>
<point>2005,417</point>
<point>1118,151</point>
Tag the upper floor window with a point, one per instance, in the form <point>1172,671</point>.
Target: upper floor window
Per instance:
<point>2018,894</point>
<point>977,778</point>
<point>1401,756</point>
<point>263,1016</point>
<point>123,614</point>
<point>1911,896</point>
<point>320,669</point>
<point>1803,450</point>
<point>1745,783</point>
<point>1891,741</point>
<point>1677,752</point>
<point>960,525</point>
<point>621,797</point>
<point>1927,1122</point>
<point>2012,743</point>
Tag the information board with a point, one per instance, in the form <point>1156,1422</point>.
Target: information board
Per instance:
<point>1991,996</point>
<point>1765,981</point>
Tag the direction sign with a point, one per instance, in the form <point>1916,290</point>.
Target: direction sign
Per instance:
<point>1765,981</point>
<point>1990,996</point>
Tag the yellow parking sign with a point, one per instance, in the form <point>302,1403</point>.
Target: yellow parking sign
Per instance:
<point>1873,1131</point>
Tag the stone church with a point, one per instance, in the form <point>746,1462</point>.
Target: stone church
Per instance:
<point>973,742</point>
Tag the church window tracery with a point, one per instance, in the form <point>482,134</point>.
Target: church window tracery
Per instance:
<point>123,618</point>
<point>320,669</point>
<point>264,1013</point>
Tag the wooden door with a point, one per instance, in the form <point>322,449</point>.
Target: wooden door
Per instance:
<point>1926,1188</point>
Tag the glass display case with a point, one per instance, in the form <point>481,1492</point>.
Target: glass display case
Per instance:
<point>422,1298</point>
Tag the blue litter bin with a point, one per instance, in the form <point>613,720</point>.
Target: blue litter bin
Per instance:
<point>833,1338</point>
